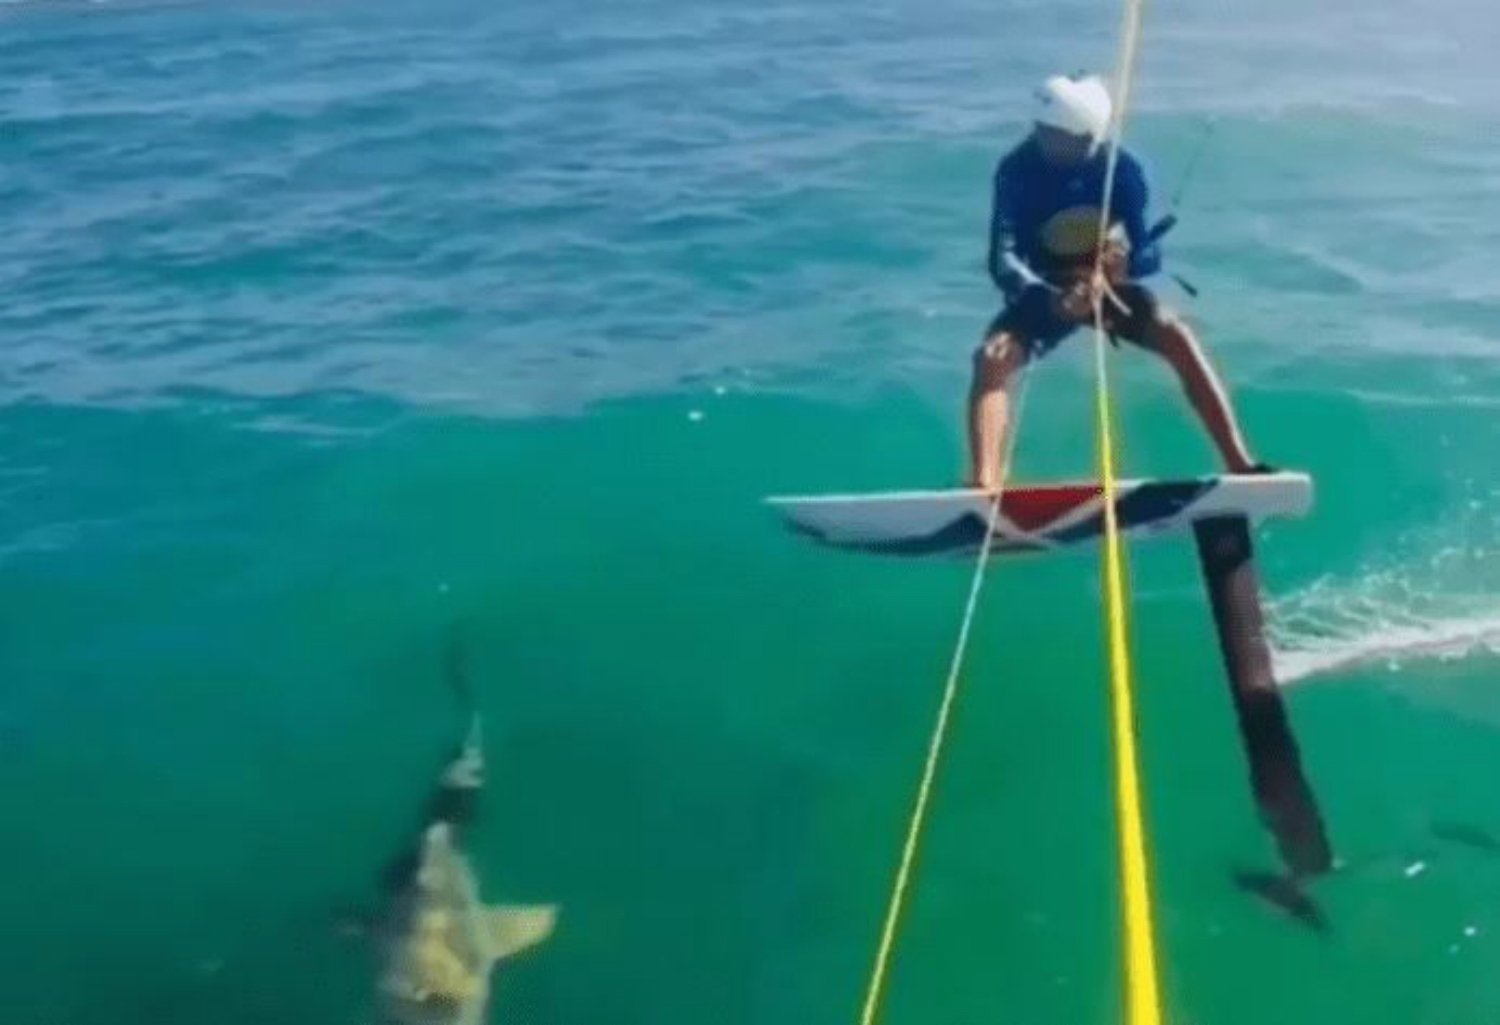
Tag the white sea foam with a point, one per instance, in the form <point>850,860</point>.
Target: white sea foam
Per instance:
<point>1432,607</point>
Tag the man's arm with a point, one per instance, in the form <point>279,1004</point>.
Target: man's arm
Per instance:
<point>1008,271</point>
<point>1131,198</point>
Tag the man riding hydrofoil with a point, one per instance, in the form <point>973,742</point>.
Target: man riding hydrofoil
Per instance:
<point>1044,245</point>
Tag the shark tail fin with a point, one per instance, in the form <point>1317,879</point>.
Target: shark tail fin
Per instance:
<point>510,930</point>
<point>474,739</point>
<point>466,771</point>
<point>456,666</point>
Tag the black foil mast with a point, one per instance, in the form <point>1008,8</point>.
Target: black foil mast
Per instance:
<point>1286,801</point>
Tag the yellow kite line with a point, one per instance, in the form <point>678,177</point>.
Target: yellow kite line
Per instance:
<point>1142,988</point>
<point>1143,1001</point>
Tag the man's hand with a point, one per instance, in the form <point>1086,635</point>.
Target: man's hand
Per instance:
<point>1076,303</point>
<point>1116,263</point>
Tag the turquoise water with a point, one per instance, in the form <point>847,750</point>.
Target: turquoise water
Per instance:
<point>333,334</point>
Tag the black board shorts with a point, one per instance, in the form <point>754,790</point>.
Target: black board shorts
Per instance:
<point>1031,318</point>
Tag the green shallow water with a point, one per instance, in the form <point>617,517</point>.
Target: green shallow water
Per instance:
<point>705,732</point>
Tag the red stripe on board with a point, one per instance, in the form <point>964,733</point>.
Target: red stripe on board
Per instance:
<point>1031,508</point>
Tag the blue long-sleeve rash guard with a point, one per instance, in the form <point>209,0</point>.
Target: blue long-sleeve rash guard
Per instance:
<point>1030,191</point>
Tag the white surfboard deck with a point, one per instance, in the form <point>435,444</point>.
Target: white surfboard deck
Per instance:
<point>1036,517</point>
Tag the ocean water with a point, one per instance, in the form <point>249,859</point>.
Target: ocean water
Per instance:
<point>335,335</point>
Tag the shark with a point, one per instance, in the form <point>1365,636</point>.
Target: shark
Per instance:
<point>439,941</point>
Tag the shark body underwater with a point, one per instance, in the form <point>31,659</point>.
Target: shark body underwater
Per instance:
<point>439,942</point>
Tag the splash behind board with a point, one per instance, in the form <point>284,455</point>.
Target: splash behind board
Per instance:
<point>1036,517</point>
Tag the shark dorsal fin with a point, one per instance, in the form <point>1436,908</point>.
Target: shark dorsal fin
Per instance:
<point>510,930</point>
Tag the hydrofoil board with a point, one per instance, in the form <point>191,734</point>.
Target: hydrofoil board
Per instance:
<point>1036,517</point>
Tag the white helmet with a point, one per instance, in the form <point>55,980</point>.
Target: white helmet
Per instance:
<point>1078,106</point>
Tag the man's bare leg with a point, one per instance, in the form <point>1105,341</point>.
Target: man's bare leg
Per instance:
<point>996,364</point>
<point>1176,344</point>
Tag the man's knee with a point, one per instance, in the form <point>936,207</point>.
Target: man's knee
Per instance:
<point>1165,318</point>
<point>998,358</point>
<point>1168,333</point>
<point>1160,329</point>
